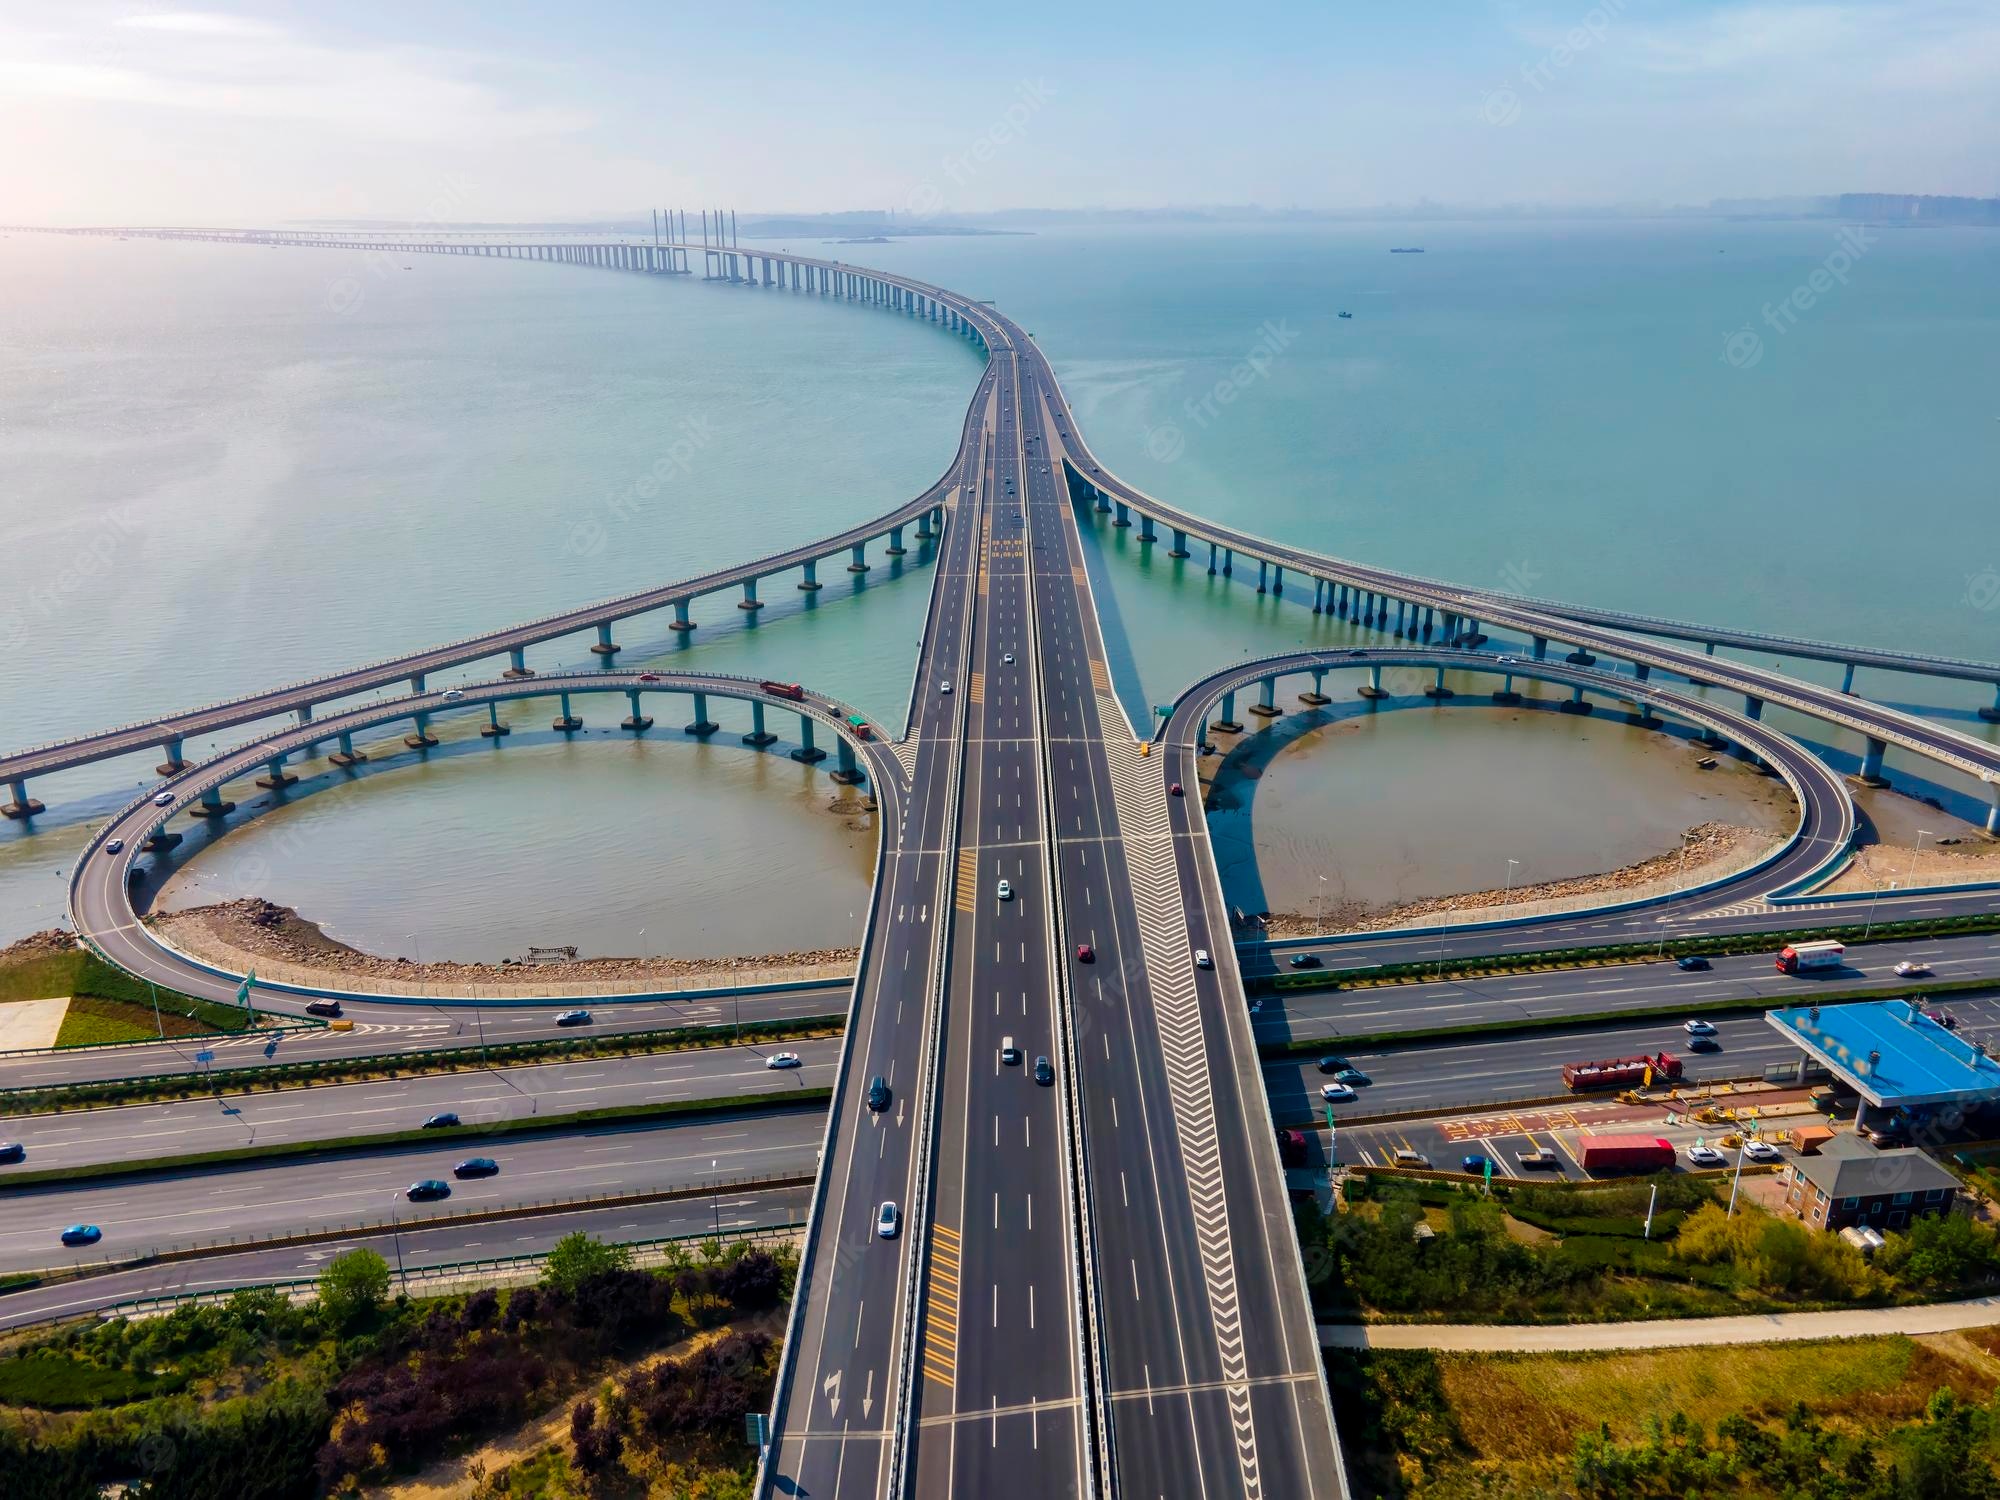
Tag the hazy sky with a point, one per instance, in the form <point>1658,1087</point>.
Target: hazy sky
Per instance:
<point>143,112</point>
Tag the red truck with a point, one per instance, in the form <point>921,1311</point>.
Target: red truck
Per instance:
<point>782,689</point>
<point>1622,1072</point>
<point>1625,1153</point>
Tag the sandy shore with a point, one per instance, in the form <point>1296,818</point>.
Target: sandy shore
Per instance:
<point>1713,850</point>
<point>284,946</point>
<point>1875,866</point>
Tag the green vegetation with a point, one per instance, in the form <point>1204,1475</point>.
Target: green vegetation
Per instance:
<point>1863,1419</point>
<point>1550,1253</point>
<point>577,1257</point>
<point>259,1399</point>
<point>119,1008</point>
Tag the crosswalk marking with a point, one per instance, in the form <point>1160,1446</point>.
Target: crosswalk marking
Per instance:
<point>966,892</point>
<point>941,1311</point>
<point>976,689</point>
<point>1100,677</point>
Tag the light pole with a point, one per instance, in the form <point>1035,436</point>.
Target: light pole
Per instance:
<point>1508,894</point>
<point>714,1202</point>
<point>158,1025</point>
<point>1869,926</point>
<point>396,1235</point>
<point>1911,873</point>
<point>1680,874</point>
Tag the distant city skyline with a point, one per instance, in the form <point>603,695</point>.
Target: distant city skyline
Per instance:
<point>132,110</point>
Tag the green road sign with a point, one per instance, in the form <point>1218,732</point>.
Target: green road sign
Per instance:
<point>243,989</point>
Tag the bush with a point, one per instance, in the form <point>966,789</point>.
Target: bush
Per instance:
<point>352,1286</point>
<point>55,1382</point>
<point>1941,1253</point>
<point>578,1257</point>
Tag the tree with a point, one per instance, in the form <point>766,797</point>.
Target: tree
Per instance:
<point>352,1286</point>
<point>577,1257</point>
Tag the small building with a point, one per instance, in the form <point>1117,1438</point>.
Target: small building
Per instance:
<point>1851,1182</point>
<point>1893,1056</point>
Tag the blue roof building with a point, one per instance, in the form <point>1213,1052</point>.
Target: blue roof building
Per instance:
<point>1892,1054</point>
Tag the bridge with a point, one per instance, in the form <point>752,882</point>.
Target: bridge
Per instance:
<point>1094,1287</point>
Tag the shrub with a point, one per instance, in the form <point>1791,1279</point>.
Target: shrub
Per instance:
<point>352,1286</point>
<point>577,1257</point>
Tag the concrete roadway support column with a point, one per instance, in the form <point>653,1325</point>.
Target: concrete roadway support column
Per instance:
<point>1263,576</point>
<point>346,755</point>
<point>811,571</point>
<point>1753,708</point>
<point>1123,517</point>
<point>1474,636</point>
<point>1227,723</point>
<point>569,723</point>
<point>1641,671</point>
<point>1871,765</point>
<point>924,532</point>
<point>1580,658</point>
<point>848,773</point>
<point>417,683</point>
<point>1211,559</point>
<point>1228,561</point>
<point>19,804</point>
<point>703,726</point>
<point>681,620</point>
<point>1576,704</point>
<point>493,729</point>
<point>860,563</point>
<point>1992,715</point>
<point>1277,579</point>
<point>212,805</point>
<point>1402,616</point>
<point>517,663</point>
<point>1319,592</point>
<point>175,763</point>
<point>1506,693</point>
<point>1146,532</point>
<point>1372,688</point>
<point>605,645</point>
<point>160,839</point>
<point>757,735</point>
<point>1847,679</point>
<point>807,754</point>
<point>1993,815</point>
<point>1180,547</point>
<point>1340,593</point>
<point>1103,500</point>
<point>750,600</point>
<point>635,720</point>
<point>1541,644</point>
<point>422,739</point>
<point>1316,697</point>
<point>895,547</point>
<point>1266,707</point>
<point>1437,690</point>
<point>275,775</point>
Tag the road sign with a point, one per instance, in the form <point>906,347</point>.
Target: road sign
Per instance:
<point>204,1057</point>
<point>756,1429</point>
<point>243,989</point>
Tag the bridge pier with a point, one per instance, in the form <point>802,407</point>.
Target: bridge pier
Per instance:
<point>810,581</point>
<point>517,663</point>
<point>1992,715</point>
<point>924,532</point>
<point>346,755</point>
<point>1146,532</point>
<point>1180,547</point>
<point>1211,559</point>
<point>1847,678</point>
<point>567,723</point>
<point>1277,578</point>
<point>860,562</point>
<point>422,739</point>
<point>703,725</point>
<point>635,721</point>
<point>493,729</point>
<point>1315,697</point>
<point>1871,764</point>
<point>417,683</point>
<point>680,620</point>
<point>1263,576</point>
<point>1505,693</point>
<point>275,775</point>
<point>1642,671</point>
<point>1576,703</point>
<point>1540,648</point>
<point>160,839</point>
<point>1474,636</point>
<point>1103,501</point>
<point>1121,518</point>
<point>1402,609</point>
<point>847,773</point>
<point>1319,592</point>
<point>211,805</point>
<point>1227,723</point>
<point>1753,708</point>
<point>1228,561</point>
<point>895,547</point>
<point>807,753</point>
<point>605,645</point>
<point>757,736</point>
<point>1437,690</point>
<point>175,763</point>
<point>1580,658</point>
<point>750,600</point>
<point>1266,706</point>
<point>19,803</point>
<point>1340,600</point>
<point>1372,688</point>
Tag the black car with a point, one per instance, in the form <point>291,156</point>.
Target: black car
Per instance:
<point>1692,962</point>
<point>13,1151</point>
<point>1044,1074</point>
<point>573,1018</point>
<point>328,1008</point>
<point>476,1166</point>
<point>1332,1064</point>
<point>427,1190</point>
<point>878,1094</point>
<point>1304,960</point>
<point>1703,1044</point>
<point>443,1120</point>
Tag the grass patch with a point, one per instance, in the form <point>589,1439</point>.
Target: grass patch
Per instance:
<point>48,1380</point>
<point>92,1021</point>
<point>82,975</point>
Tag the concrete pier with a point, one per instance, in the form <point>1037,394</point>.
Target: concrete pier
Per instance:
<point>517,663</point>
<point>605,645</point>
<point>493,729</point>
<point>635,721</point>
<point>758,736</point>
<point>160,839</point>
<point>275,775</point>
<point>566,722</point>
<point>1505,692</point>
<point>1277,579</point>
<point>1180,546</point>
<point>175,762</point>
<point>807,753</point>
<point>1437,690</point>
<point>1266,706</point>
<point>1576,703</point>
<point>421,737</point>
<point>1227,724</point>
<point>750,600</point>
<point>1315,697</point>
<point>1146,532</point>
<point>847,773</point>
<point>1541,648</point>
<point>860,560</point>
<point>1871,764</point>
<point>1121,516</point>
<point>211,805</point>
<point>895,547</point>
<point>810,580</point>
<point>1211,559</point>
<point>680,620</point>
<point>346,755</point>
<point>1847,678</point>
<point>1372,688</point>
<point>1580,658</point>
<point>1263,576</point>
<point>703,725</point>
<point>1753,708</point>
<point>19,804</point>
<point>1992,715</point>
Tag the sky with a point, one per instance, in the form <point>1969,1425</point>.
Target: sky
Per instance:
<point>131,111</point>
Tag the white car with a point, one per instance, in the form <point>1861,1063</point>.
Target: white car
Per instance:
<point>1202,960</point>
<point>1007,660</point>
<point>1336,1093</point>
<point>165,799</point>
<point>889,1222</point>
<point>1006,891</point>
<point>116,846</point>
<point>452,695</point>
<point>944,687</point>
<point>783,1060</point>
<point>1699,1027</point>
<point>1761,1151</point>
<point>1706,1156</point>
<point>1912,968</point>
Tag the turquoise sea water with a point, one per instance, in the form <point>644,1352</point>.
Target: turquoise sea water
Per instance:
<point>219,473</point>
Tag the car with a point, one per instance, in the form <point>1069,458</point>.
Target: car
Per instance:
<point>944,687</point>
<point>1304,960</point>
<point>1336,1093</point>
<point>1353,1077</point>
<point>476,1166</point>
<point>1886,1136</point>
<point>1085,954</point>
<point>330,1009</point>
<point>889,1222</point>
<point>1409,1159</point>
<point>1333,1063</point>
<point>1007,660</point>
<point>1758,1150</point>
<point>1202,960</point>
<point>1477,1165</point>
<point>1913,968</point>
<point>1541,1158</point>
<point>1700,1043</point>
<point>1691,962</point>
<point>783,1060</point>
<point>116,846</point>
<point>1009,1053</point>
<point>878,1094</point>
<point>1044,1074</point>
<point>11,1151</point>
<point>164,799</point>
<point>1175,790</point>
<point>453,695</point>
<point>1706,1156</point>
<point>443,1120</point>
<point>427,1190</point>
<point>573,1018</point>
<point>1005,891</point>
<point>82,1234</point>
<point>1699,1027</point>
<point>649,676</point>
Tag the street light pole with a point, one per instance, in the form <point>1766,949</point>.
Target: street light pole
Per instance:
<point>714,1203</point>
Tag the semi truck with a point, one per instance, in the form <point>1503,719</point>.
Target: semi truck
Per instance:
<point>1625,1153</point>
<point>1622,1072</point>
<point>1804,958</point>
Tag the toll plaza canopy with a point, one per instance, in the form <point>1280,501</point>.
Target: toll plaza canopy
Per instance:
<point>1892,1054</point>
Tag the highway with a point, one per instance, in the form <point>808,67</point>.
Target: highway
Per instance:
<point>227,1122</point>
<point>158,1212</point>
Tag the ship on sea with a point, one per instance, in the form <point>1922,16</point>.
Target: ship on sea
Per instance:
<point>1406,249</point>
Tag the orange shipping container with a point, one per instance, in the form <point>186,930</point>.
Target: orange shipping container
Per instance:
<point>1807,1139</point>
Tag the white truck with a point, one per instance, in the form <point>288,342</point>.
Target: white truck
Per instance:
<point>1804,958</point>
